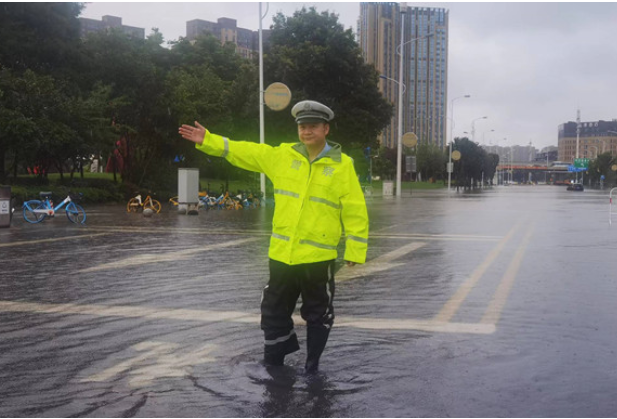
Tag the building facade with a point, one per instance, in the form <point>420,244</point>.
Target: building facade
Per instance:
<point>425,66</point>
<point>226,30</point>
<point>595,138</point>
<point>107,23</point>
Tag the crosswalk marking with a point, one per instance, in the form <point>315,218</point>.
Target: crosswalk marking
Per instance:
<point>205,316</point>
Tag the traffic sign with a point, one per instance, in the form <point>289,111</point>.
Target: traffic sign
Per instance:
<point>410,139</point>
<point>277,96</point>
<point>456,155</point>
<point>581,163</point>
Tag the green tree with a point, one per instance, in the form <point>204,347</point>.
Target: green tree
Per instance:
<point>491,161</point>
<point>318,59</point>
<point>468,170</point>
<point>430,161</point>
<point>136,71</point>
<point>41,37</point>
<point>384,165</point>
<point>44,126</point>
<point>602,166</point>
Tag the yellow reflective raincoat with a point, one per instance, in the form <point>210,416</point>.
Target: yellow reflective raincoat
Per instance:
<point>312,199</point>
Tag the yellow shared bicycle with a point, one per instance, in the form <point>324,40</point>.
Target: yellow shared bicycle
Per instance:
<point>136,203</point>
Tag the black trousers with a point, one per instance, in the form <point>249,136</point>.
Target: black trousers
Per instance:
<point>315,282</point>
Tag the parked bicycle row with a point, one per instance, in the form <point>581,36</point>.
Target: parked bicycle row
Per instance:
<point>37,210</point>
<point>226,200</point>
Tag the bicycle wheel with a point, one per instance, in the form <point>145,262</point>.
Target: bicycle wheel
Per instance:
<point>154,205</point>
<point>75,213</point>
<point>29,214</point>
<point>133,205</point>
<point>229,204</point>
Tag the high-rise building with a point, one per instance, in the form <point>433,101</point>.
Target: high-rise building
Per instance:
<point>107,23</point>
<point>595,138</point>
<point>226,30</point>
<point>425,65</point>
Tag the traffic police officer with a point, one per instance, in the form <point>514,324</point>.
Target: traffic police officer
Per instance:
<point>317,196</point>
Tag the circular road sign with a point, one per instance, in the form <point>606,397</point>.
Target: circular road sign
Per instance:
<point>410,139</point>
<point>277,96</point>
<point>456,155</point>
<point>614,168</point>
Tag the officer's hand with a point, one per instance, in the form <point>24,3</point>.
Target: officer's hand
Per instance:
<point>350,264</point>
<point>195,134</point>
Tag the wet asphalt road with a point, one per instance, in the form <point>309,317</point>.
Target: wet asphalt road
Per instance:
<point>500,303</point>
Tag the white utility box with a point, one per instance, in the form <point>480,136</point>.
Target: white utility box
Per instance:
<point>188,191</point>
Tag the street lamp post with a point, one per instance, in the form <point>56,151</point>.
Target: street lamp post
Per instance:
<point>399,144</point>
<point>473,127</point>
<point>484,132</point>
<point>262,177</point>
<point>450,168</point>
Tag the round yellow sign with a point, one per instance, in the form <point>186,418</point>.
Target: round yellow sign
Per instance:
<point>277,96</point>
<point>614,168</point>
<point>410,139</point>
<point>456,155</point>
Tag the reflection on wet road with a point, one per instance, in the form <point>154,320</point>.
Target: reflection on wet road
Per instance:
<point>498,303</point>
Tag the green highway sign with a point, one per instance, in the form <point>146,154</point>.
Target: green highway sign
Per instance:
<point>581,163</point>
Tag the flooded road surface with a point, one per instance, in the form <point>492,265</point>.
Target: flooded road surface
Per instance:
<point>499,303</point>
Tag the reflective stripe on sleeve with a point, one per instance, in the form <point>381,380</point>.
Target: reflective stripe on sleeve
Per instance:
<point>320,245</point>
<point>280,237</point>
<point>226,144</point>
<point>279,340</point>
<point>358,239</point>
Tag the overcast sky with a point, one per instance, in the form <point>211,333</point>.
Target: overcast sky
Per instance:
<point>527,66</point>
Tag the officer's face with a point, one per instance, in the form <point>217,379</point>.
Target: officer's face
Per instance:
<point>313,133</point>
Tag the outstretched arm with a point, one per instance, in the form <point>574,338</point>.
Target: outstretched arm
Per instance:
<point>245,155</point>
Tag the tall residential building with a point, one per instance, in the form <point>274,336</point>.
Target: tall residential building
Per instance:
<point>226,30</point>
<point>594,138</point>
<point>106,23</point>
<point>425,65</point>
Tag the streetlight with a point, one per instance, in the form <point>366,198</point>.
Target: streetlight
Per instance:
<point>381,76</point>
<point>452,137</point>
<point>473,127</point>
<point>399,146</point>
<point>484,132</point>
<point>262,177</point>
<point>498,152</point>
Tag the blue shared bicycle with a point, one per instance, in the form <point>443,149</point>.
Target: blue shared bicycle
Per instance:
<point>37,210</point>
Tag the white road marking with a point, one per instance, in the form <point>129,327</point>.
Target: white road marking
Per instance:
<point>157,360</point>
<point>452,306</point>
<point>56,239</point>
<point>495,308</point>
<point>175,230</point>
<point>227,232</point>
<point>204,316</point>
<point>381,263</point>
<point>164,257</point>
